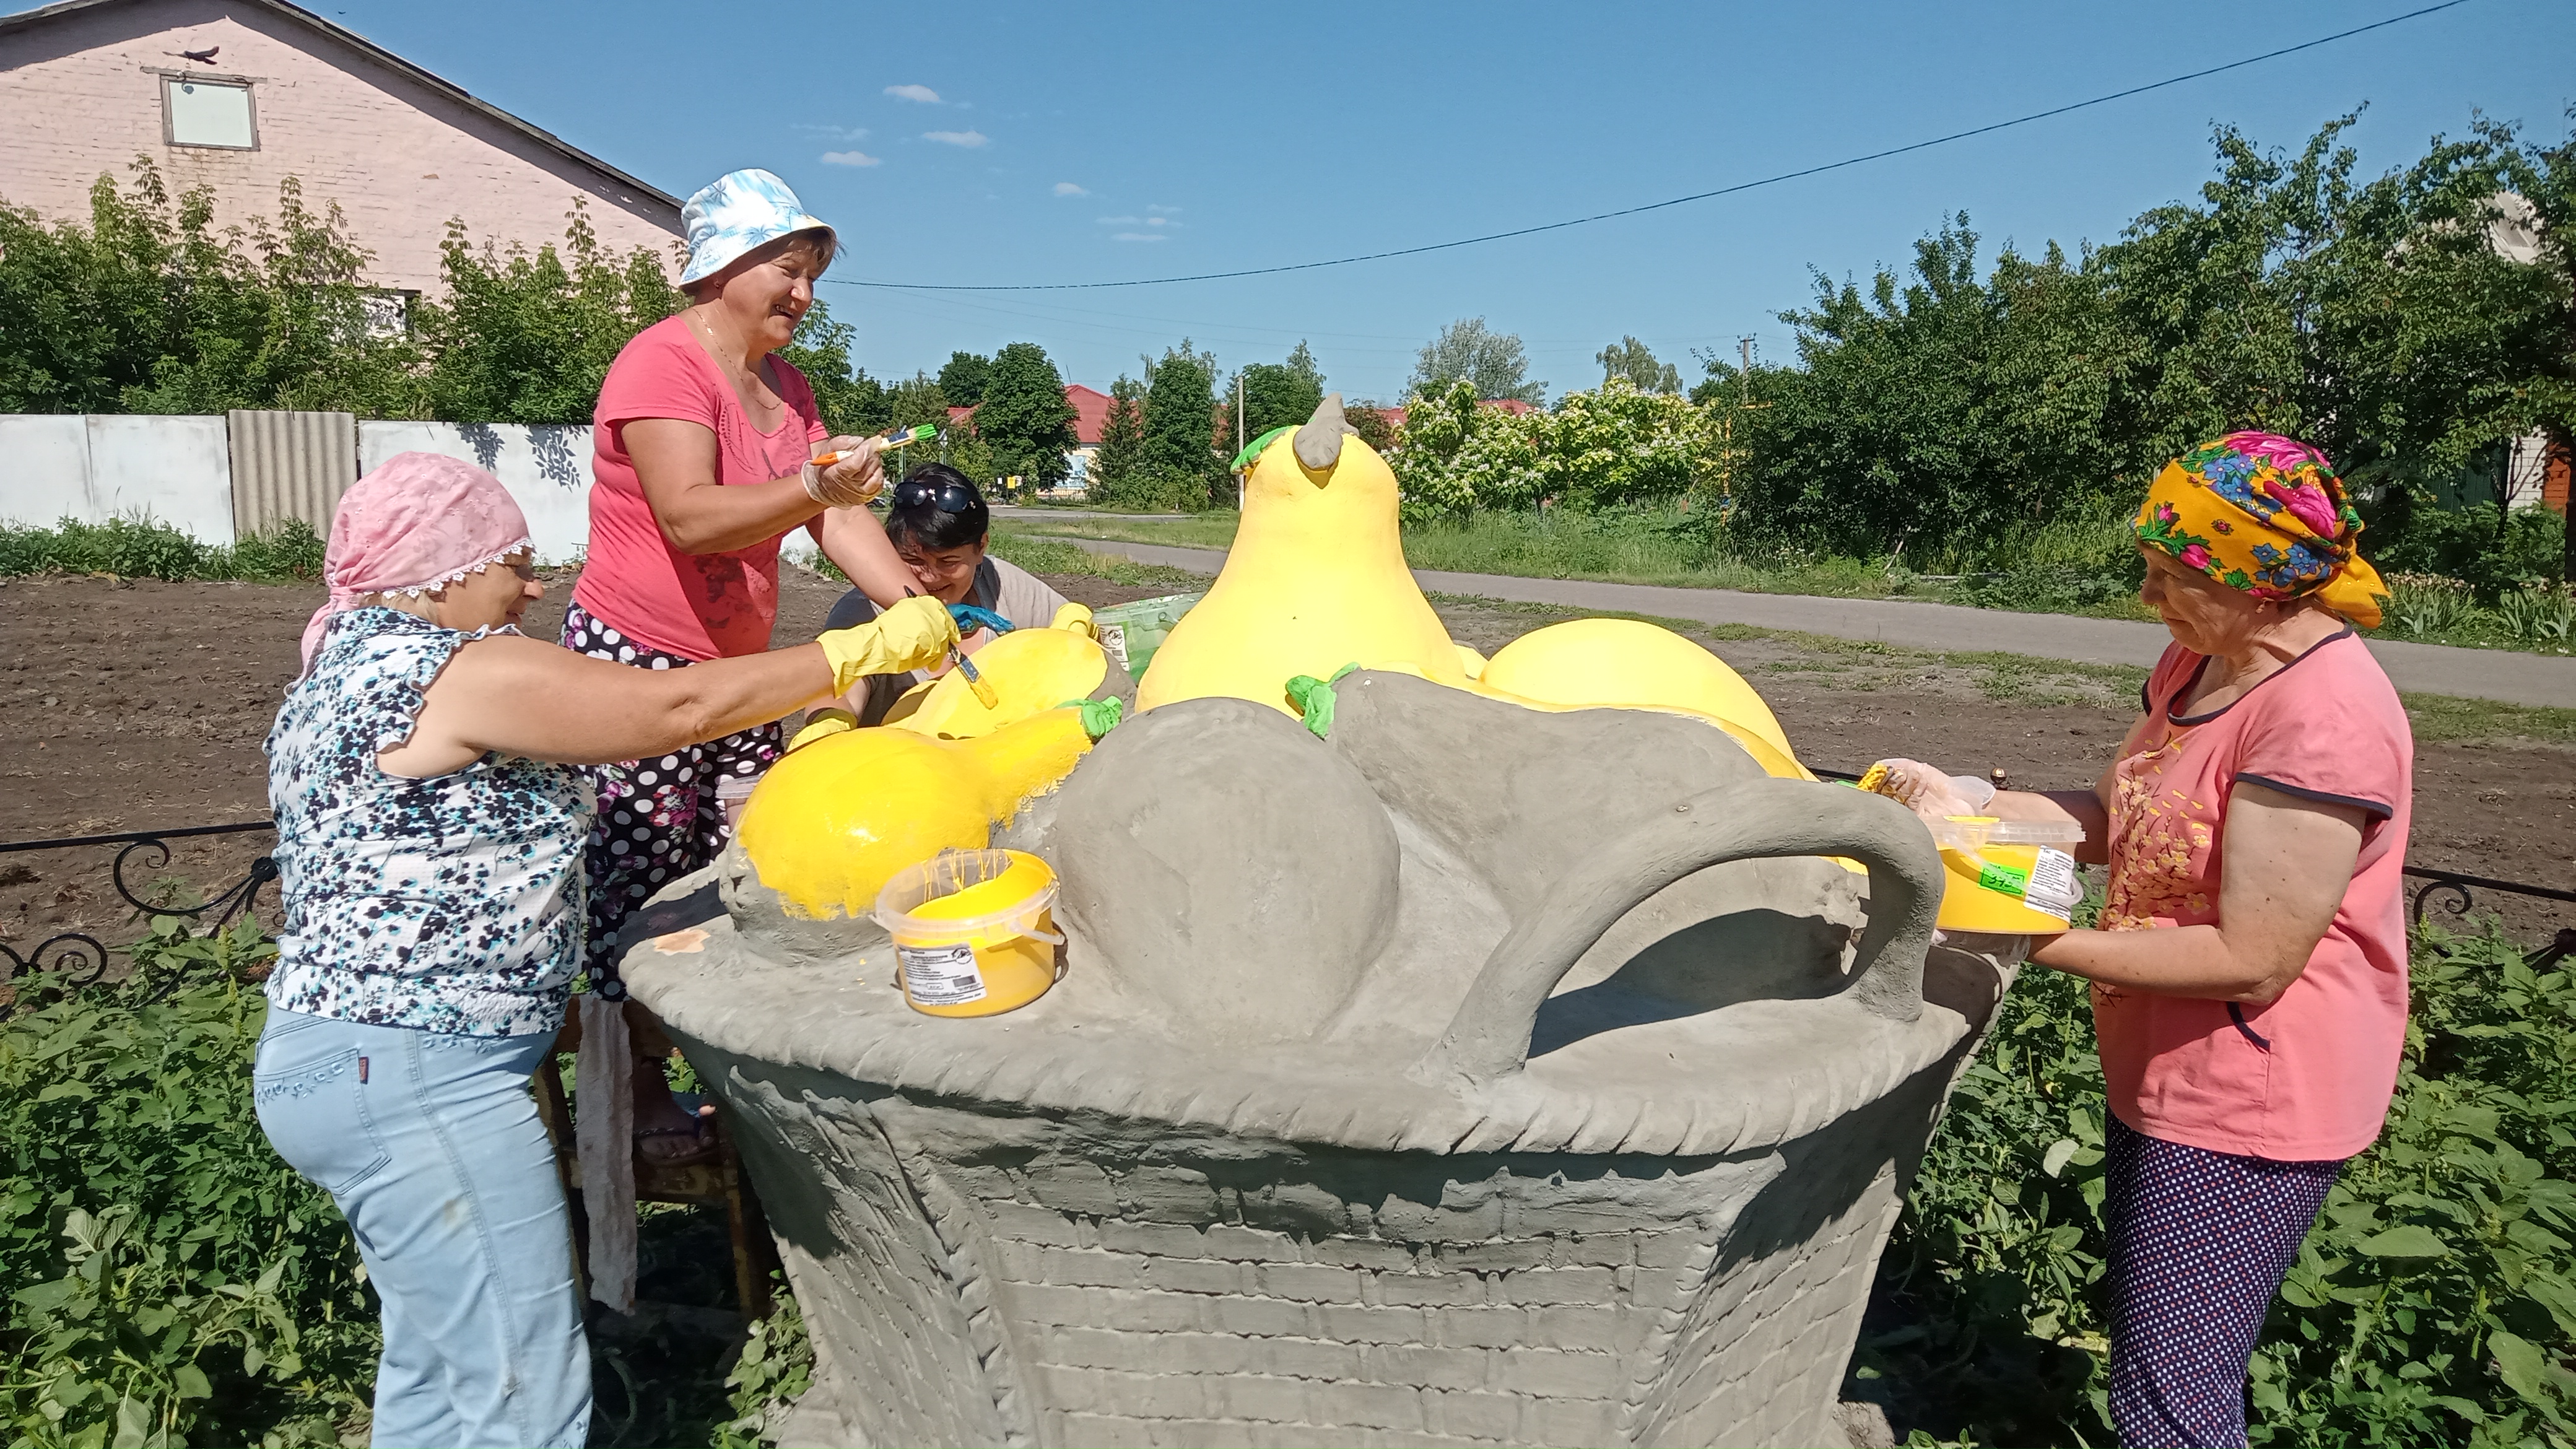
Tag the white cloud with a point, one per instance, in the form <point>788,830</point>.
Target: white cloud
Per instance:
<point>1141,236</point>
<point>1160,221</point>
<point>1122,221</point>
<point>968,139</point>
<point>923,94</point>
<point>1067,188</point>
<point>1165,210</point>
<point>837,133</point>
<point>849,158</point>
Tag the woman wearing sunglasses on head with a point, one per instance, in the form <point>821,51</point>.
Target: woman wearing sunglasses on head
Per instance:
<point>704,442</point>
<point>938,527</point>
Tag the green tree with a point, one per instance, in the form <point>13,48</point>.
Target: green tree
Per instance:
<point>1493,363</point>
<point>917,400</point>
<point>1025,419</point>
<point>1634,361</point>
<point>849,399</point>
<point>149,308</point>
<point>1274,394</point>
<point>1180,426</point>
<point>523,338</point>
<point>964,378</point>
<point>1118,464</point>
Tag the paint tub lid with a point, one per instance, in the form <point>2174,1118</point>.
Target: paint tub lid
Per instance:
<point>1972,832</point>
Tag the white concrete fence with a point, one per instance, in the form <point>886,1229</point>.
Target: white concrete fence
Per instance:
<point>218,478</point>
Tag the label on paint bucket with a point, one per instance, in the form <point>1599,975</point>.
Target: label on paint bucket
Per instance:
<point>1113,642</point>
<point>2053,887</point>
<point>940,975</point>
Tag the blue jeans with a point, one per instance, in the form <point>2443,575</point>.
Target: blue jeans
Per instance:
<point>431,1145</point>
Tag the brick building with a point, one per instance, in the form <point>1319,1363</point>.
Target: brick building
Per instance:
<point>238,95</point>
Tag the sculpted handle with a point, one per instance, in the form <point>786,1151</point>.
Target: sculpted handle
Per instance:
<point>1490,1035</point>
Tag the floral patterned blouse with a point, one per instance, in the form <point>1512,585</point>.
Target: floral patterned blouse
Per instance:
<point>451,904</point>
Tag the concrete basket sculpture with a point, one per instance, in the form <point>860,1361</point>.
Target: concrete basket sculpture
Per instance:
<point>1478,1075</point>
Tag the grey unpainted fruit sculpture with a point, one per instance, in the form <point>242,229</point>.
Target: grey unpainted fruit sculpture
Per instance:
<point>1479,1075</point>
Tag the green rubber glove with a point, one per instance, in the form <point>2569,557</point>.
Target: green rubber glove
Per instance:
<point>914,634</point>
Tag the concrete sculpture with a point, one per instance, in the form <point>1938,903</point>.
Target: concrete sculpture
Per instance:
<point>1467,1069</point>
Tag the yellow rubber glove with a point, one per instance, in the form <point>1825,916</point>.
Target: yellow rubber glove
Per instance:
<point>1076,618</point>
<point>914,634</point>
<point>823,724</point>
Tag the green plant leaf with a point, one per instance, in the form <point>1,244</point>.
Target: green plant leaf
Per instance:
<point>2404,1241</point>
<point>191,1382</point>
<point>2520,1363</point>
<point>2053,1161</point>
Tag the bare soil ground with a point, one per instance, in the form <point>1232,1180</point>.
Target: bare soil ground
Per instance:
<point>134,704</point>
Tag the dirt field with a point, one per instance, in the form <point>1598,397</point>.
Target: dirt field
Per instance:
<point>136,704</point>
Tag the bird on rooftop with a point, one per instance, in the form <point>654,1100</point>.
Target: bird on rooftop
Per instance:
<point>202,57</point>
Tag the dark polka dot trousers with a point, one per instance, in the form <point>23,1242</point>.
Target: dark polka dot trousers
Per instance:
<point>2200,1241</point>
<point>658,818</point>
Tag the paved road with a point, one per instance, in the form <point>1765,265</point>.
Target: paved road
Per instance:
<point>2416,668</point>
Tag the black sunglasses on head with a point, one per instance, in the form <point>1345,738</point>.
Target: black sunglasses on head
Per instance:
<point>946,497</point>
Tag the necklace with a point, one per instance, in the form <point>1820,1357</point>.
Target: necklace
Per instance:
<point>746,387</point>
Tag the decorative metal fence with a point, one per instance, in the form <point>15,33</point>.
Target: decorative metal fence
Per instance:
<point>81,959</point>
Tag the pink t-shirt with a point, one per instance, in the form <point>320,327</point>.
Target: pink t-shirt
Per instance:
<point>2307,1078</point>
<point>698,606</point>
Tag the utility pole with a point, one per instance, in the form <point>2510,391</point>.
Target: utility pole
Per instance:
<point>1744,375</point>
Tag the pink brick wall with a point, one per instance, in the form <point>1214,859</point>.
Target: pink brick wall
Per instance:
<point>82,97</point>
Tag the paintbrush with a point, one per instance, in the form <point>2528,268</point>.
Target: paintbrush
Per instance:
<point>984,694</point>
<point>888,442</point>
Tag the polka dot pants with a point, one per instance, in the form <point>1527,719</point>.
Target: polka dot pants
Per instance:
<point>658,818</point>
<point>2200,1241</point>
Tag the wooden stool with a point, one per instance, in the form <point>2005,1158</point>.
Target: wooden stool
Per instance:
<point>718,1180</point>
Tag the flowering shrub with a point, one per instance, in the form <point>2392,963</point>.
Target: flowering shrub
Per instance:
<point>1608,448</point>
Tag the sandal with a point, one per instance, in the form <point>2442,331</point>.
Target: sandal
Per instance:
<point>702,1148</point>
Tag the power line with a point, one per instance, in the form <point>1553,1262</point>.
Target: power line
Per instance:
<point>1676,201</point>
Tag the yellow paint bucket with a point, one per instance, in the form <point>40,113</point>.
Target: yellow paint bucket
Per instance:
<point>973,931</point>
<point>2008,876</point>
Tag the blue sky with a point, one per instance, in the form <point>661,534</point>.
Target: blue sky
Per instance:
<point>971,142</point>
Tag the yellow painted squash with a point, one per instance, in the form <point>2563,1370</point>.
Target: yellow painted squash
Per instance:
<point>1630,664</point>
<point>1031,671</point>
<point>835,819</point>
<point>1316,579</point>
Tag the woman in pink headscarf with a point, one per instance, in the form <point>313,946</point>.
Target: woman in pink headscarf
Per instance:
<point>431,821</point>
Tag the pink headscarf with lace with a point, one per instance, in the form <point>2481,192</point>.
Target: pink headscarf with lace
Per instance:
<point>420,522</point>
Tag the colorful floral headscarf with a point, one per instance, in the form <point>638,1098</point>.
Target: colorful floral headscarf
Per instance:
<point>2262,513</point>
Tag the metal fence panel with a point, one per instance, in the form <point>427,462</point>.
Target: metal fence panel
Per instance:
<point>290,465</point>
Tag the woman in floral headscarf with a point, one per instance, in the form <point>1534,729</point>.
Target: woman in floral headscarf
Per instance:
<point>2249,976</point>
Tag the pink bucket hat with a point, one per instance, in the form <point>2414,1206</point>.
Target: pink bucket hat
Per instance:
<point>419,522</point>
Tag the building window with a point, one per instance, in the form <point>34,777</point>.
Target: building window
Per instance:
<point>208,113</point>
<point>388,311</point>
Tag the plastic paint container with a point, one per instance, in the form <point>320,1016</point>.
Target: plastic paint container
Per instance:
<point>1132,632</point>
<point>973,931</point>
<point>2008,876</point>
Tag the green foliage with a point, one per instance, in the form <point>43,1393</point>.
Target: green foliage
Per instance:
<point>1610,448</point>
<point>2490,551</point>
<point>1024,417</point>
<point>1118,464</point>
<point>849,400</point>
<point>964,377</point>
<point>775,1368</point>
<point>1493,364</point>
<point>139,548</point>
<point>2432,1304</point>
<point>1274,394</point>
<point>149,308</point>
<point>174,1282</point>
<point>527,339</point>
<point>1633,360</point>
<point>1180,456</point>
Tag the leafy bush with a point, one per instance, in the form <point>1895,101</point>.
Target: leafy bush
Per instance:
<point>2426,604</point>
<point>175,1281</point>
<point>2538,616</point>
<point>140,548</point>
<point>2432,1304</point>
<point>2493,553</point>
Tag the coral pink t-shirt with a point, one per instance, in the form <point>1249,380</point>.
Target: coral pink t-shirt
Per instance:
<point>2307,1078</point>
<point>698,606</point>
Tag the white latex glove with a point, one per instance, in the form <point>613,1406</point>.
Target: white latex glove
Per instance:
<point>1929,793</point>
<point>850,482</point>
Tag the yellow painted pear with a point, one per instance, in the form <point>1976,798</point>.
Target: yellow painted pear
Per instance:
<point>1316,580</point>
